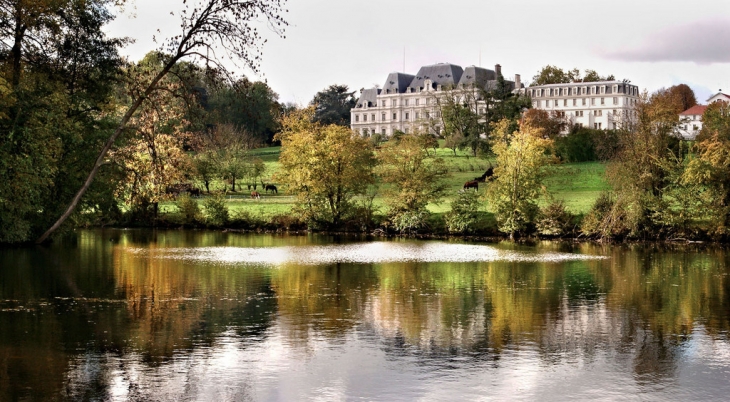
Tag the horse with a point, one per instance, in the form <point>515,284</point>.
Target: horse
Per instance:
<point>472,184</point>
<point>488,175</point>
<point>255,195</point>
<point>272,188</point>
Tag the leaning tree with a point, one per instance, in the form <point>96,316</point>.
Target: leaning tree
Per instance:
<point>211,31</point>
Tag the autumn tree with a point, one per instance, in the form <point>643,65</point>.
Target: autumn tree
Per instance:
<point>521,167</point>
<point>208,27</point>
<point>413,179</point>
<point>550,124</point>
<point>325,166</point>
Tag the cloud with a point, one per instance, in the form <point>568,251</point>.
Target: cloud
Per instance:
<point>701,42</point>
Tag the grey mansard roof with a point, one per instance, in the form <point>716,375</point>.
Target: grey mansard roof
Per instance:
<point>368,97</point>
<point>478,76</point>
<point>444,74</point>
<point>397,81</point>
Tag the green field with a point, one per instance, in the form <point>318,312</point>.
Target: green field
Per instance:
<point>577,184</point>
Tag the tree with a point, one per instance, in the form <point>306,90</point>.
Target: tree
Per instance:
<point>58,70</point>
<point>333,104</point>
<point>211,25</point>
<point>550,124</point>
<point>325,167</point>
<point>460,119</point>
<point>413,178</point>
<point>550,75</point>
<point>520,169</point>
<point>555,75</point>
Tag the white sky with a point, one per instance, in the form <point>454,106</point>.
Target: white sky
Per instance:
<point>653,43</point>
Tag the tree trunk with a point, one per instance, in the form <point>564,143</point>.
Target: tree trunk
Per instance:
<point>107,146</point>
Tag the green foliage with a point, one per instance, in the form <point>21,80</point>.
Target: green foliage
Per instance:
<point>409,221</point>
<point>577,146</point>
<point>464,214</point>
<point>216,210</point>
<point>189,209</point>
<point>413,178</point>
<point>332,105</point>
<point>554,219</point>
<point>556,75</point>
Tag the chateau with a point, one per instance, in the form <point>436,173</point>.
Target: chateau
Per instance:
<point>599,105</point>
<point>410,102</point>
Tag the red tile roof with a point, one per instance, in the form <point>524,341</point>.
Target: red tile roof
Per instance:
<point>694,110</point>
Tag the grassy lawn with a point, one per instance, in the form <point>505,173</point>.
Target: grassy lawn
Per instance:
<point>577,184</point>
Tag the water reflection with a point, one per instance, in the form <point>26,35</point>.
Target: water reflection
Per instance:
<point>222,316</point>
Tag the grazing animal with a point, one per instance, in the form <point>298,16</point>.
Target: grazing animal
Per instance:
<point>472,184</point>
<point>488,174</point>
<point>272,188</point>
<point>255,195</point>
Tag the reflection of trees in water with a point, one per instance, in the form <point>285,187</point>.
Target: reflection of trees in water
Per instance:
<point>636,309</point>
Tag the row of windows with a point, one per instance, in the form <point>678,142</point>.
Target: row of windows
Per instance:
<point>405,102</point>
<point>406,116</point>
<point>595,90</point>
<point>583,102</point>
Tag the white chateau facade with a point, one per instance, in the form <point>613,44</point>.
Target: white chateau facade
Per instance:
<point>410,102</point>
<point>599,105</point>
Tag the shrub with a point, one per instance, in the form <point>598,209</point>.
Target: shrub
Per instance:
<point>554,219</point>
<point>463,215</point>
<point>189,209</point>
<point>407,221</point>
<point>216,210</point>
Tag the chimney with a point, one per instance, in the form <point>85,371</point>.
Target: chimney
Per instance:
<point>518,83</point>
<point>498,69</point>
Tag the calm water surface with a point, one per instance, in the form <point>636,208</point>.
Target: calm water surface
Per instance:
<point>188,316</point>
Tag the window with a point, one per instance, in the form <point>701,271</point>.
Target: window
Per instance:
<point>406,102</point>
<point>382,131</point>
<point>615,100</point>
<point>372,117</point>
<point>583,90</point>
<point>427,101</point>
<point>383,103</point>
<point>417,102</point>
<point>394,102</point>
<point>357,117</point>
<point>426,114</point>
<point>694,127</point>
<point>364,117</point>
<point>547,103</point>
<point>584,101</point>
<point>395,116</point>
<point>416,115</point>
<point>575,102</point>
<point>565,102</point>
<point>364,131</point>
<point>406,115</point>
<point>595,126</point>
<point>382,117</point>
<point>599,125</point>
<point>593,101</point>
<point>602,101</point>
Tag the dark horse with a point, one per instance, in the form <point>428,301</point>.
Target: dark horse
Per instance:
<point>272,188</point>
<point>472,184</point>
<point>486,176</point>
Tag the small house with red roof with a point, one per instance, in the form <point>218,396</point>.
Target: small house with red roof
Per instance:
<point>690,121</point>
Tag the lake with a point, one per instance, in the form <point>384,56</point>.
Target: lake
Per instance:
<point>210,316</point>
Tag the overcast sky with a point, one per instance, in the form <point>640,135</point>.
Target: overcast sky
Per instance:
<point>357,43</point>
